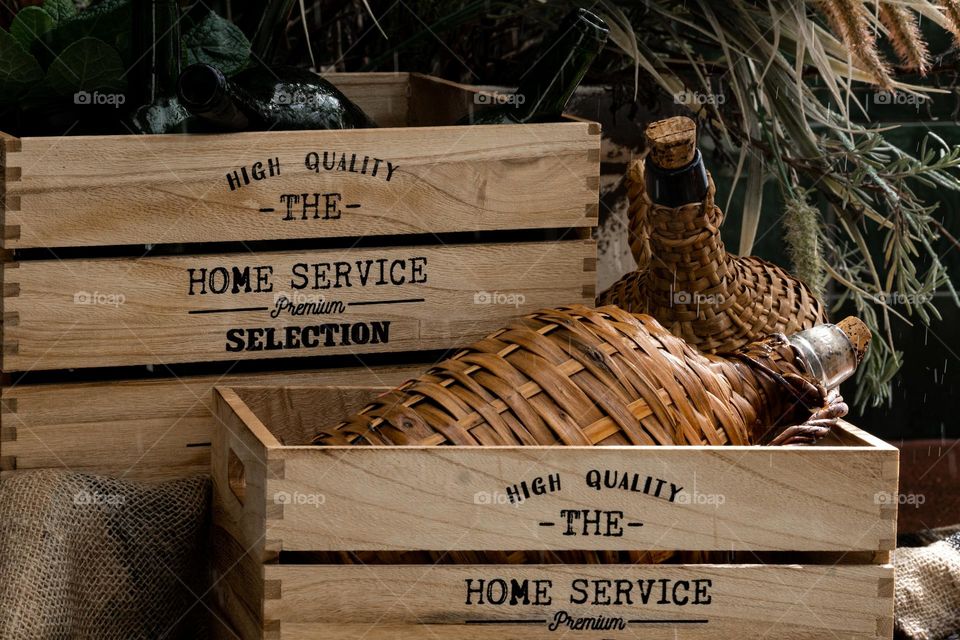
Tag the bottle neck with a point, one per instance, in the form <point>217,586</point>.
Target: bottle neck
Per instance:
<point>549,84</point>
<point>205,92</point>
<point>784,379</point>
<point>759,375</point>
<point>263,47</point>
<point>685,244</point>
<point>156,49</point>
<point>677,187</point>
<point>827,353</point>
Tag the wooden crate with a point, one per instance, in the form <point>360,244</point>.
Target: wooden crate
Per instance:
<point>188,253</point>
<point>821,517</point>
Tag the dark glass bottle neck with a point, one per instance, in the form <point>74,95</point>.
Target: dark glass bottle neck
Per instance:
<point>263,47</point>
<point>677,187</point>
<point>155,49</point>
<point>205,92</point>
<point>548,85</point>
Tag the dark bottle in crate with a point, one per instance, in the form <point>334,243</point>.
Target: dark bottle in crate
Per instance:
<point>260,98</point>
<point>561,64</point>
<point>263,47</point>
<point>152,85</point>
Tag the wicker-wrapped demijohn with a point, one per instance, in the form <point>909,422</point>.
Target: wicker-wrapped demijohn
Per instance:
<point>581,376</point>
<point>685,278</point>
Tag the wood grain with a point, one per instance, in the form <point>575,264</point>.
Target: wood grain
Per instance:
<point>819,499</point>
<point>457,498</point>
<point>383,96</point>
<point>106,312</point>
<point>139,429</point>
<point>783,602</point>
<point>451,498</point>
<point>86,191</point>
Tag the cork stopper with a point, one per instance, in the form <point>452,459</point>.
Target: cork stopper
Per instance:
<point>673,142</point>
<point>858,333</point>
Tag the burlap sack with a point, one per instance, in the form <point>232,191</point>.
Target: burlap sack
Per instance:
<point>84,556</point>
<point>928,590</point>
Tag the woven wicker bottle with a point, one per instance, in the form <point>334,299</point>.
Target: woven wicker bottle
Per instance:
<point>685,278</point>
<point>580,376</point>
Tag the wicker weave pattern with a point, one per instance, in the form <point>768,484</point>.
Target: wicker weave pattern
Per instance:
<point>716,301</point>
<point>581,376</point>
<point>638,215</point>
<point>575,375</point>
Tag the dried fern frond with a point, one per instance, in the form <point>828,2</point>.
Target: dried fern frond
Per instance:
<point>803,228</point>
<point>903,29</point>
<point>850,20</point>
<point>951,10</point>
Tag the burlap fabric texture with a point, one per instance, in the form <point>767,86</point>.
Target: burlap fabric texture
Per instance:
<point>928,590</point>
<point>85,556</point>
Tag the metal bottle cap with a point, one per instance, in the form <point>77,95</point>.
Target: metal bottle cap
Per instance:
<point>832,352</point>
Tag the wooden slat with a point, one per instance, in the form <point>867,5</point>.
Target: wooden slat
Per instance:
<point>400,602</point>
<point>326,404</point>
<point>435,101</point>
<point>116,190</point>
<point>106,312</point>
<point>139,429</point>
<point>382,96</point>
<point>444,498</point>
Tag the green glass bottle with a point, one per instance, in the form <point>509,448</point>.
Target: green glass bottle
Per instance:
<point>152,81</point>
<point>263,46</point>
<point>545,89</point>
<point>260,98</point>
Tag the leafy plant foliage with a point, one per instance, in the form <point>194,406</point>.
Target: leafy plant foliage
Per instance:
<point>53,51</point>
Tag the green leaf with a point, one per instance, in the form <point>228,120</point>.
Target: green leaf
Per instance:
<point>108,21</point>
<point>86,65</point>
<point>218,42</point>
<point>18,69</point>
<point>29,24</point>
<point>60,10</point>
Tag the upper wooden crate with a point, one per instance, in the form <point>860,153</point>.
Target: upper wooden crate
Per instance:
<point>414,236</point>
<point>473,226</point>
<point>409,177</point>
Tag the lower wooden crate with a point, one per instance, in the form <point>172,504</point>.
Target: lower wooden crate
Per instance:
<point>151,429</point>
<point>813,528</point>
